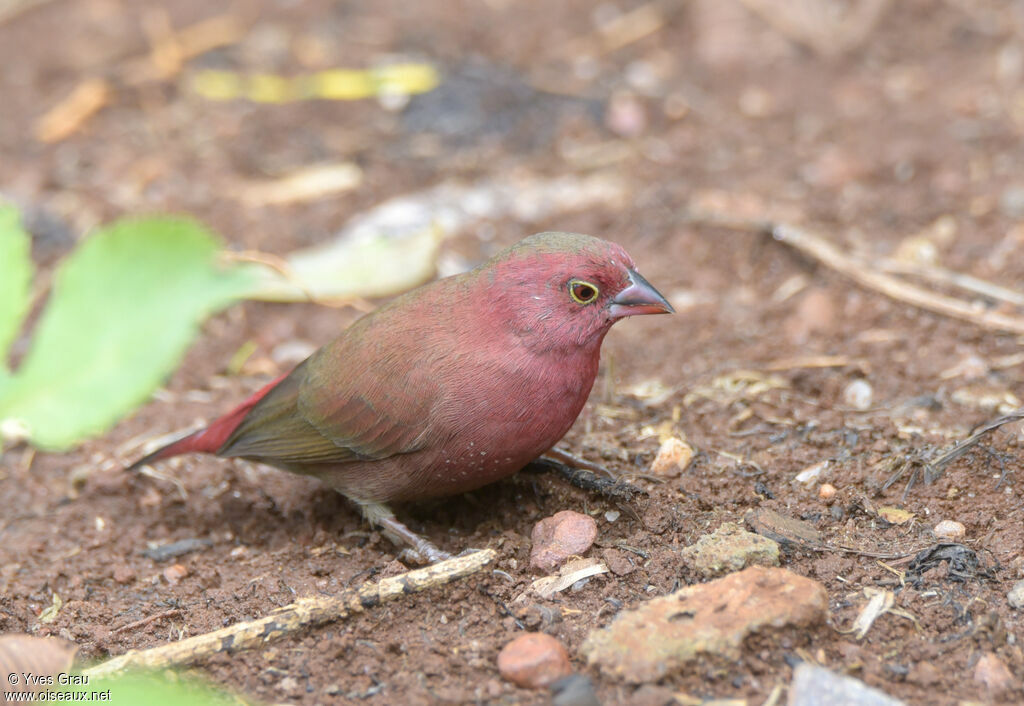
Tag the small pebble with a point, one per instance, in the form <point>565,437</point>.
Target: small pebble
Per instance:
<point>827,491</point>
<point>176,549</point>
<point>559,537</point>
<point>815,312</point>
<point>673,457</point>
<point>728,549</point>
<point>755,102</point>
<point>1011,201</point>
<point>1015,597</point>
<point>626,115</point>
<point>175,573</point>
<point>859,394</point>
<point>617,562</point>
<point>950,529</point>
<point>993,673</point>
<point>834,168</point>
<point>925,673</point>
<point>534,660</point>
<point>124,574</point>
<point>655,695</point>
<point>811,473</point>
<point>289,685</point>
<point>813,686</point>
<point>574,690</point>
<point>676,107</point>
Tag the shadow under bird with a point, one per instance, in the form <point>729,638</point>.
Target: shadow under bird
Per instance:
<point>447,388</point>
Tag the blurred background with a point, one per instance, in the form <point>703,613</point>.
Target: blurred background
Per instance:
<point>448,130</point>
<point>866,115</point>
<point>279,124</point>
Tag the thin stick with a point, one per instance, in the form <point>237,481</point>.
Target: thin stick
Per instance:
<point>303,613</point>
<point>146,621</point>
<point>935,468</point>
<point>868,274</point>
<point>828,254</point>
<point>955,279</point>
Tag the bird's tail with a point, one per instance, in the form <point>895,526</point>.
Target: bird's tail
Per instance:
<point>213,437</point>
<point>184,445</point>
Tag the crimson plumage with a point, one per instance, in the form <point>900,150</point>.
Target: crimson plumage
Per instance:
<point>449,387</point>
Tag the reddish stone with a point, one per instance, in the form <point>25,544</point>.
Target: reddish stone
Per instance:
<point>534,660</point>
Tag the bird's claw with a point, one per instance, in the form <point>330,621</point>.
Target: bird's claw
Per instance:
<point>584,478</point>
<point>419,550</point>
<point>414,557</point>
<point>571,460</point>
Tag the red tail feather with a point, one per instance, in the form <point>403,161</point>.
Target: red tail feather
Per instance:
<point>210,439</point>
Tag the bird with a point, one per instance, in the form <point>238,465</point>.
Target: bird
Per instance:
<point>446,388</point>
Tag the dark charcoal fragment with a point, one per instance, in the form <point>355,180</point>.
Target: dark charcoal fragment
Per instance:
<point>963,563</point>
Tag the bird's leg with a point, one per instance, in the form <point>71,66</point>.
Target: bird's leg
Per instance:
<point>421,550</point>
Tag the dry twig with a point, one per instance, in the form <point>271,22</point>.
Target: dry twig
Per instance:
<point>303,613</point>
<point>170,49</point>
<point>173,612</point>
<point>933,470</point>
<point>869,275</point>
<point>824,26</point>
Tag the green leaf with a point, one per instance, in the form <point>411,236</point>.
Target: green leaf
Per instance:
<point>154,689</point>
<point>123,309</point>
<point>15,281</point>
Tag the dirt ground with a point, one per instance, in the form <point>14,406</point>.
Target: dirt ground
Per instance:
<point>903,142</point>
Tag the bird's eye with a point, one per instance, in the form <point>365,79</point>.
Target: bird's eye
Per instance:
<point>582,292</point>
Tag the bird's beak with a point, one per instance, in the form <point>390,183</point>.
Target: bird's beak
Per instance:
<point>639,298</point>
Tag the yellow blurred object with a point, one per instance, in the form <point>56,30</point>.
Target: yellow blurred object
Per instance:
<point>331,84</point>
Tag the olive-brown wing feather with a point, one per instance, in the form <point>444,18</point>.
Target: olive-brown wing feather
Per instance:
<point>380,408</point>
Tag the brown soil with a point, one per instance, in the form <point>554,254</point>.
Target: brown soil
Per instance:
<point>922,121</point>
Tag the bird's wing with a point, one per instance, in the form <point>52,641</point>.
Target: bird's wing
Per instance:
<point>275,432</point>
<point>379,408</point>
<point>331,409</point>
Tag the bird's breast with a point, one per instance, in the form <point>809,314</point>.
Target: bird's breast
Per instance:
<point>504,413</point>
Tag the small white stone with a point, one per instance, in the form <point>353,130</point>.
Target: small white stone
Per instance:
<point>950,529</point>
<point>811,473</point>
<point>859,394</point>
<point>1015,597</point>
<point>673,457</point>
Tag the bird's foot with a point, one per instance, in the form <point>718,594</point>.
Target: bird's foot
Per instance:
<point>571,460</point>
<point>420,550</point>
<point>580,474</point>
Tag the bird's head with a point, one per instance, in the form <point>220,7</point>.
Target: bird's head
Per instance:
<point>565,290</point>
